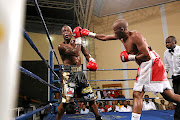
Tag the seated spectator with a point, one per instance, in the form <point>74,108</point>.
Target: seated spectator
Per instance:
<point>120,104</point>
<point>113,108</point>
<point>107,106</point>
<point>148,105</point>
<point>162,106</point>
<point>120,95</point>
<point>77,107</point>
<point>112,94</point>
<point>84,110</point>
<point>105,93</point>
<point>156,104</point>
<point>129,103</point>
<point>116,93</point>
<point>99,94</point>
<point>70,108</point>
<point>101,108</point>
<point>109,97</point>
<point>170,106</point>
<point>125,107</point>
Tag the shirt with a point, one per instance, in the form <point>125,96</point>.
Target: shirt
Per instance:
<point>148,105</point>
<point>85,112</point>
<point>172,60</point>
<point>126,109</point>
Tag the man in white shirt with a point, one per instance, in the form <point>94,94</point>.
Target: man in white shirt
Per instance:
<point>84,110</point>
<point>148,105</point>
<point>126,107</point>
<point>172,62</point>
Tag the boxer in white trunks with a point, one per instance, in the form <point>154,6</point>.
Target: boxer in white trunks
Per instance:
<point>151,75</point>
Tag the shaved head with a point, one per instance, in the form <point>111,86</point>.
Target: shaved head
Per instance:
<point>121,23</point>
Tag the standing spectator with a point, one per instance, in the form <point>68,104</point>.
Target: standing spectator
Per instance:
<point>172,62</point>
<point>101,108</point>
<point>156,104</point>
<point>84,110</point>
<point>125,107</point>
<point>109,97</point>
<point>162,106</point>
<point>148,105</point>
<point>99,94</point>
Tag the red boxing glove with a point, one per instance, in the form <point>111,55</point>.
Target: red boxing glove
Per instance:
<point>76,32</point>
<point>85,32</point>
<point>77,35</point>
<point>92,66</point>
<point>125,57</point>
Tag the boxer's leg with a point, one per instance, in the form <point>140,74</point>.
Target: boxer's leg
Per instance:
<point>137,105</point>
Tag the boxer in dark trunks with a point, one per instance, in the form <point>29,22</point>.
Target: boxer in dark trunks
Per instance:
<point>74,80</point>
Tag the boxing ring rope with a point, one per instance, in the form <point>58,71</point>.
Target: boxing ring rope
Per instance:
<point>27,115</point>
<point>26,36</point>
<point>36,77</point>
<point>46,29</point>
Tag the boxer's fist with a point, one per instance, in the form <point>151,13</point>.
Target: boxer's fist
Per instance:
<point>92,66</point>
<point>124,56</point>
<point>127,57</point>
<point>85,32</point>
<point>76,32</point>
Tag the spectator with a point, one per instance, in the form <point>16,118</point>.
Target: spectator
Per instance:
<point>112,94</point>
<point>125,107</point>
<point>105,93</point>
<point>107,106</point>
<point>172,62</point>
<point>170,106</point>
<point>99,94</point>
<point>129,103</point>
<point>148,105</point>
<point>120,104</point>
<point>162,106</point>
<point>120,96</point>
<point>113,108</point>
<point>116,93</point>
<point>77,107</point>
<point>156,104</point>
<point>109,97</point>
<point>70,108</point>
<point>84,110</point>
<point>101,108</point>
<point>26,104</point>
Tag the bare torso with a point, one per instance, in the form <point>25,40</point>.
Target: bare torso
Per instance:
<point>70,53</point>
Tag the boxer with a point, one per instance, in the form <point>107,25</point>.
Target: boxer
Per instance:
<point>151,75</point>
<point>74,80</point>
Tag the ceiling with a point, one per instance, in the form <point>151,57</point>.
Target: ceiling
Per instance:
<point>79,12</point>
<point>109,7</point>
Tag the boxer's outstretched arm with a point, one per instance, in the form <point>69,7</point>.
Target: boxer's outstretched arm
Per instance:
<point>105,37</point>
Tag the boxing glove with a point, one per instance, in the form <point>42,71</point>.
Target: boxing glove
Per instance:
<point>85,32</point>
<point>91,66</point>
<point>77,35</point>
<point>125,57</point>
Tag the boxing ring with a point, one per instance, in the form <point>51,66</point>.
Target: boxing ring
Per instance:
<point>146,115</point>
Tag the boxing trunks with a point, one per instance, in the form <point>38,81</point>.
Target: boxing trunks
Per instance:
<point>151,75</point>
<point>75,82</point>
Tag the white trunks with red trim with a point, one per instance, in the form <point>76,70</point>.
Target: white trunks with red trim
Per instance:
<point>151,75</point>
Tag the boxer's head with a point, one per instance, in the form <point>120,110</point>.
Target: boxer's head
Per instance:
<point>171,42</point>
<point>67,33</point>
<point>120,28</point>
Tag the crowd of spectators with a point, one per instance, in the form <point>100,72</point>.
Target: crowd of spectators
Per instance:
<point>117,105</point>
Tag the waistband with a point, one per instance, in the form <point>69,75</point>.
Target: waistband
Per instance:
<point>71,68</point>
